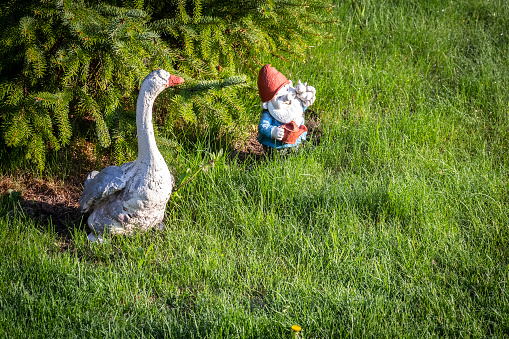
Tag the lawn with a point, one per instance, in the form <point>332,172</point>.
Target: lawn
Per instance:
<point>393,224</point>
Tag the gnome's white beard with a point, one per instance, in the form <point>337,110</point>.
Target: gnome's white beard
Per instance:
<point>286,113</point>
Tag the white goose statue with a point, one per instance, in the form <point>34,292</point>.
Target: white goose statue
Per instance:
<point>134,195</point>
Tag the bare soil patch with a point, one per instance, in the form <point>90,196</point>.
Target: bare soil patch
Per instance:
<point>47,201</point>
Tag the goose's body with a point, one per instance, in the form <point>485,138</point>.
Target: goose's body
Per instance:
<point>133,195</point>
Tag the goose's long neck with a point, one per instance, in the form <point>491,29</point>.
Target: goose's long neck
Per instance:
<point>147,147</point>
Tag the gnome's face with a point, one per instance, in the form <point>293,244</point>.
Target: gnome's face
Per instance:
<point>283,97</point>
<point>284,107</point>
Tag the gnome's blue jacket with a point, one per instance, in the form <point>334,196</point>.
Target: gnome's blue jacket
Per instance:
<point>265,126</point>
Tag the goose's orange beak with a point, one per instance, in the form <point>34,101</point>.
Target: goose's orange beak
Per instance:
<point>174,80</point>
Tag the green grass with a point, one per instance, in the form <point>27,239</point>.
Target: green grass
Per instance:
<point>395,225</point>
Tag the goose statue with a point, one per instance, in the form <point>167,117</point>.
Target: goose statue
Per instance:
<point>133,195</point>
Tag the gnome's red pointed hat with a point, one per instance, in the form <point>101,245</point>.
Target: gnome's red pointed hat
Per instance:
<point>270,81</point>
<point>292,132</point>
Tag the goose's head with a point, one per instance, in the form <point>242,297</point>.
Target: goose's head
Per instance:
<point>158,80</point>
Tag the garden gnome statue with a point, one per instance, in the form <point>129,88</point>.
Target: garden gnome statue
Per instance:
<point>281,125</point>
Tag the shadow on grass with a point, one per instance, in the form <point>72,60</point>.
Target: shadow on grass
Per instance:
<point>373,204</point>
<point>60,217</point>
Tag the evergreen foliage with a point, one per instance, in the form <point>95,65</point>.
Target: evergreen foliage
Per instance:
<point>226,33</point>
<point>71,69</point>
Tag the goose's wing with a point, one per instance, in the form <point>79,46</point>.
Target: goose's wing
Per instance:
<point>99,186</point>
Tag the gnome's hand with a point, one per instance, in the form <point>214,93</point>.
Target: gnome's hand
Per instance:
<point>306,94</point>
<point>277,133</point>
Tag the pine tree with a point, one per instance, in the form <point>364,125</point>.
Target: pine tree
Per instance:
<point>69,68</point>
<point>226,34</point>
<point>67,60</point>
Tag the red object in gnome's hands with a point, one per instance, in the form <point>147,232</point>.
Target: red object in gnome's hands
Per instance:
<point>292,132</point>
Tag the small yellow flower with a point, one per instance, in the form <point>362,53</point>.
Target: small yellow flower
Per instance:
<point>296,328</point>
